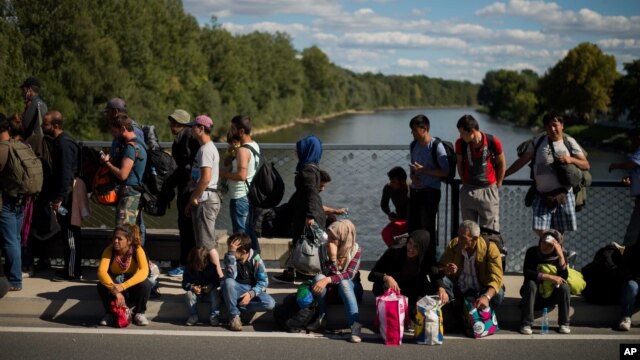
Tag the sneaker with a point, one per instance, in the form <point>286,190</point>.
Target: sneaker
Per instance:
<point>213,320</point>
<point>564,329</point>
<point>140,320</point>
<point>410,328</point>
<point>175,272</point>
<point>235,324</point>
<point>625,324</point>
<point>192,320</point>
<point>287,277</point>
<point>107,320</point>
<point>526,330</point>
<point>356,330</point>
<point>27,274</point>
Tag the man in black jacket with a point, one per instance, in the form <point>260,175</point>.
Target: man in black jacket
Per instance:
<point>65,167</point>
<point>34,107</point>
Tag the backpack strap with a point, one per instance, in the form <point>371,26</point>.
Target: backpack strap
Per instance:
<point>536,146</point>
<point>411,147</point>
<point>434,151</point>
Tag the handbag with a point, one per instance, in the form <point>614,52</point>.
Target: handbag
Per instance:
<point>480,323</point>
<point>391,310</point>
<point>305,256</point>
<point>429,329</point>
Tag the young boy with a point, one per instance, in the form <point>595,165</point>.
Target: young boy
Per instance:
<point>397,190</point>
<point>245,283</point>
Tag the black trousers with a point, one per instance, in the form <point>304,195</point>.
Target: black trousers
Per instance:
<point>136,296</point>
<point>531,300</point>
<point>423,212</point>
<point>185,228</point>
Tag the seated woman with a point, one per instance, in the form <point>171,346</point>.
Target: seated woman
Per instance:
<point>201,281</point>
<point>405,270</point>
<point>340,268</point>
<point>550,252</point>
<point>123,275</point>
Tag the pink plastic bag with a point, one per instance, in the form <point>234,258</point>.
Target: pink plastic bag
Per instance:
<point>391,309</point>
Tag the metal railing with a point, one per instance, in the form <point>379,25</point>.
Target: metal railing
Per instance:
<point>359,173</point>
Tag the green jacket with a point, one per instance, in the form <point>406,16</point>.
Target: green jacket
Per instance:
<point>488,262</point>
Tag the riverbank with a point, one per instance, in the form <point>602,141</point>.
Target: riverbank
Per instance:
<point>317,119</point>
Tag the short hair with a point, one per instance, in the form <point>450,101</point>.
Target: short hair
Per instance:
<point>324,176</point>
<point>56,118</point>
<point>15,125</point>
<point>550,117</point>
<point>198,258</point>
<point>472,226</point>
<point>419,121</point>
<point>245,241</point>
<point>4,124</point>
<point>131,231</point>
<point>468,123</point>
<point>397,173</point>
<point>122,120</point>
<point>242,122</point>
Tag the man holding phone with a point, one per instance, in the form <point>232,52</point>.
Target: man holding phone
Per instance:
<point>425,179</point>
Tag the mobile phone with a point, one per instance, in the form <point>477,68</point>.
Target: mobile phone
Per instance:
<point>101,153</point>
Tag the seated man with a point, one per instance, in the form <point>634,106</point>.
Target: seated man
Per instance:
<point>629,291</point>
<point>548,252</point>
<point>245,283</point>
<point>473,268</point>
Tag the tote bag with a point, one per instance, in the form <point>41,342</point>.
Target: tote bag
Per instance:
<point>391,309</point>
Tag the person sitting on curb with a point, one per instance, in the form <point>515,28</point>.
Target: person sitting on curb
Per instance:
<point>245,283</point>
<point>123,275</point>
<point>200,280</point>
<point>630,287</point>
<point>410,272</point>
<point>548,251</point>
<point>473,268</point>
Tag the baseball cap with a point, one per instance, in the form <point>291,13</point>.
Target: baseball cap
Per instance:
<point>180,116</point>
<point>29,82</point>
<point>116,103</point>
<point>202,120</point>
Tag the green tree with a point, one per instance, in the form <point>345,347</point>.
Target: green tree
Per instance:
<point>625,92</point>
<point>581,83</point>
<point>510,95</point>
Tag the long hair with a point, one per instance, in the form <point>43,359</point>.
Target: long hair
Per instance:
<point>132,232</point>
<point>198,259</point>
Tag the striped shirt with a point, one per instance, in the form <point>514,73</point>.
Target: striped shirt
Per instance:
<point>468,279</point>
<point>331,270</point>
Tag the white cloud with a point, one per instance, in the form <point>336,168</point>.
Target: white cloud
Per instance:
<point>364,12</point>
<point>418,12</point>
<point>497,50</point>
<point>222,8</point>
<point>414,64</point>
<point>399,40</point>
<point>325,38</point>
<point>619,43</point>
<point>460,63</point>
<point>270,27</point>
<point>523,66</point>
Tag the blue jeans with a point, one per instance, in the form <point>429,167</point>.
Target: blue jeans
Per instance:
<point>628,298</point>
<point>192,300</point>
<point>231,292</point>
<point>242,214</point>
<point>347,290</point>
<point>10,224</point>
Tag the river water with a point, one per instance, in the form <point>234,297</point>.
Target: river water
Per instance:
<point>391,127</point>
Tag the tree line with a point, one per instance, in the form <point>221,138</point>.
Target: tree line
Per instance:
<point>584,85</point>
<point>157,57</point>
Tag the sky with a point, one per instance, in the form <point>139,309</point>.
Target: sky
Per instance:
<point>449,39</point>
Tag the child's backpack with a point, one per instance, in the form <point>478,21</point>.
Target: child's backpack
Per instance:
<point>267,188</point>
<point>451,157</point>
<point>24,170</point>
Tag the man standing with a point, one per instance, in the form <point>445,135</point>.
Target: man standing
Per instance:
<point>183,150</point>
<point>128,169</point>
<point>204,203</point>
<point>553,203</point>
<point>481,165</point>
<point>35,107</point>
<point>65,166</point>
<point>425,179</point>
<point>243,168</point>
<point>633,166</point>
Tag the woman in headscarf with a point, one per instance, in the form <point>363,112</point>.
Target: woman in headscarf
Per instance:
<point>340,269</point>
<point>405,270</point>
<point>305,204</point>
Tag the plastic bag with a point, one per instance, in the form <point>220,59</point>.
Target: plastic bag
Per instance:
<point>429,330</point>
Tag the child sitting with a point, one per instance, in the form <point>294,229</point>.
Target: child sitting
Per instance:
<point>200,280</point>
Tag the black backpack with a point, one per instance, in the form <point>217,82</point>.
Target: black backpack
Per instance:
<point>267,188</point>
<point>290,318</point>
<point>604,276</point>
<point>275,222</point>
<point>451,157</point>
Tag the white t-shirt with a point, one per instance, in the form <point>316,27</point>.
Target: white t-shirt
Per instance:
<point>239,189</point>
<point>543,171</point>
<point>207,157</point>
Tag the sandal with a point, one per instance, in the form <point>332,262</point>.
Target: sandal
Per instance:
<point>13,288</point>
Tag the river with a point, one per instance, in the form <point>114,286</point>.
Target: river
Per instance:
<point>391,127</point>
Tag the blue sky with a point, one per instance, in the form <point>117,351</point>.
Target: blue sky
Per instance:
<point>448,39</point>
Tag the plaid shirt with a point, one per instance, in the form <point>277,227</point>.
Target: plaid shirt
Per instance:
<point>331,270</point>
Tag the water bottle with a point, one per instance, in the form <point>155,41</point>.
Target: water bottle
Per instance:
<point>319,234</point>
<point>154,172</point>
<point>62,211</point>
<point>544,329</point>
<point>346,214</point>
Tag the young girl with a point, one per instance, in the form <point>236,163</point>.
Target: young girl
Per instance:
<point>201,281</point>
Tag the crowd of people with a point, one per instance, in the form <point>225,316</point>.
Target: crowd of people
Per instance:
<point>471,265</point>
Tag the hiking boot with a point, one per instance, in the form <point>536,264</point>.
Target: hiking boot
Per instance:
<point>140,320</point>
<point>192,320</point>
<point>526,330</point>
<point>625,324</point>
<point>235,324</point>
<point>287,277</point>
<point>175,272</point>
<point>564,329</point>
<point>107,320</point>
<point>214,320</point>
<point>356,331</point>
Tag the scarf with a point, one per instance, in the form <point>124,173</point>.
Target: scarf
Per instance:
<point>309,150</point>
<point>345,232</point>
<point>124,261</point>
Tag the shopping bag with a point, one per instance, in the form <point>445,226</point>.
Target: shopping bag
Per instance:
<point>121,313</point>
<point>429,329</point>
<point>480,323</point>
<point>391,309</point>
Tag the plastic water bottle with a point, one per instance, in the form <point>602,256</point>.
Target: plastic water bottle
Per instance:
<point>62,211</point>
<point>154,172</point>
<point>544,329</point>
<point>319,234</point>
